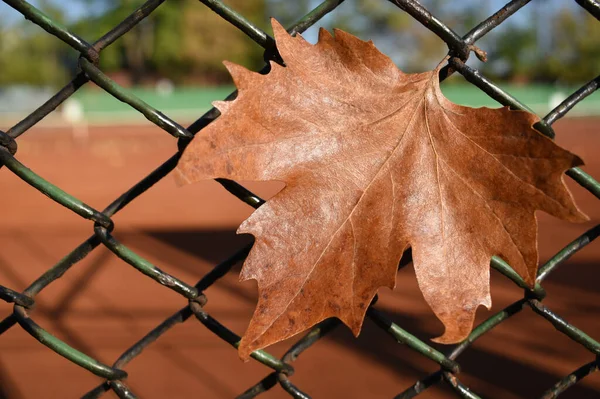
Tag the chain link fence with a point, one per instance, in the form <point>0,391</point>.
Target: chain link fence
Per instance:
<point>115,375</point>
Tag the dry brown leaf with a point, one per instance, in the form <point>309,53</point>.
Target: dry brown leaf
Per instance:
<point>375,161</point>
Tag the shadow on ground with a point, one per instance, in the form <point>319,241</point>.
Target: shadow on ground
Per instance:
<point>494,371</point>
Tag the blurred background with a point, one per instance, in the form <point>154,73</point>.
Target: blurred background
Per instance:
<point>95,148</point>
<point>174,59</point>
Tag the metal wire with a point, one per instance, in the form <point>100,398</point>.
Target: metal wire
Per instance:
<point>459,51</point>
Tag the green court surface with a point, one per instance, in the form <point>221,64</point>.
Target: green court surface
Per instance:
<point>186,104</point>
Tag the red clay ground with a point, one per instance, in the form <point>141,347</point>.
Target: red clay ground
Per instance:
<point>102,306</point>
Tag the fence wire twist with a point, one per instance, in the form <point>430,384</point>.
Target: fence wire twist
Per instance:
<point>459,50</point>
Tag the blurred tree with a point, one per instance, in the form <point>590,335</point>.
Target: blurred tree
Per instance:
<point>513,55</point>
<point>206,40</point>
<point>562,46</point>
<point>181,40</point>
<point>185,41</point>
<point>28,55</point>
<point>575,45</point>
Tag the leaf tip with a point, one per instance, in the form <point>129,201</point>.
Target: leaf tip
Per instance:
<point>454,334</point>
<point>180,177</point>
<point>240,75</point>
<point>576,215</point>
<point>356,328</point>
<point>245,275</point>
<point>530,279</point>
<point>582,217</point>
<point>350,39</point>
<point>222,106</point>
<point>244,351</point>
<point>279,31</point>
<point>459,324</point>
<point>577,161</point>
<point>324,35</point>
<point>248,344</point>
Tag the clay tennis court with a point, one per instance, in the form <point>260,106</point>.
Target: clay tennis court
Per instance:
<point>102,305</point>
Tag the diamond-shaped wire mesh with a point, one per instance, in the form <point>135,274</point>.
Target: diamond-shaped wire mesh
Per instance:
<point>90,53</point>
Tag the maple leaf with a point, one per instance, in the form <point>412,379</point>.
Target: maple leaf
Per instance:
<point>375,161</point>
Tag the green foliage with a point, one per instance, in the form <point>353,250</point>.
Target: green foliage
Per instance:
<point>182,40</point>
<point>186,42</point>
<point>28,55</point>
<point>205,40</point>
<point>576,47</point>
<point>514,54</point>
